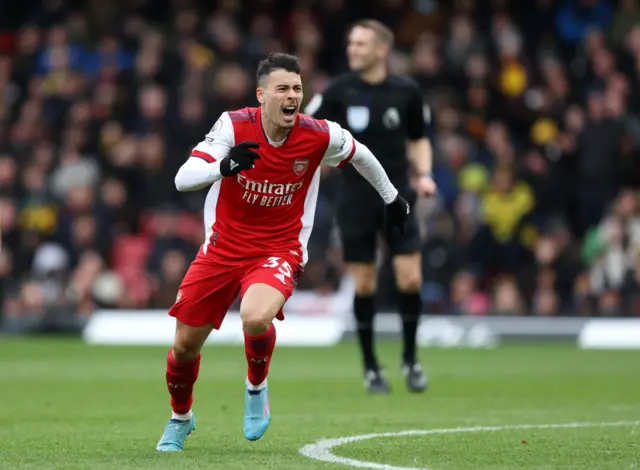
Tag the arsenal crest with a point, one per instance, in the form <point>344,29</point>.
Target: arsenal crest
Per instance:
<point>300,166</point>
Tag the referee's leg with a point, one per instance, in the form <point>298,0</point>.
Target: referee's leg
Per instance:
<point>407,265</point>
<point>359,240</point>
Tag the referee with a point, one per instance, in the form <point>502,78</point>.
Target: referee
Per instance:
<point>385,113</point>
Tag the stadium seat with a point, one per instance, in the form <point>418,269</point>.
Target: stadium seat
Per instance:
<point>138,285</point>
<point>130,251</point>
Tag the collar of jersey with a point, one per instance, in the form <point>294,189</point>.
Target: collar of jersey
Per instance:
<point>262,133</point>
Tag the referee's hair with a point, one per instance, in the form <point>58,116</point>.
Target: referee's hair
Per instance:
<point>383,33</point>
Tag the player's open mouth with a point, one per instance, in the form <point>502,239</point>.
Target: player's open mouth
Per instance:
<point>289,112</point>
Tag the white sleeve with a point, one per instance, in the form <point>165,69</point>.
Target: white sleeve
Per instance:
<point>217,142</point>
<point>202,168</point>
<point>196,174</point>
<point>370,168</point>
<point>343,149</point>
<point>341,146</point>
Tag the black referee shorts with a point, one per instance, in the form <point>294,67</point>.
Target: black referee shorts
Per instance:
<point>360,216</point>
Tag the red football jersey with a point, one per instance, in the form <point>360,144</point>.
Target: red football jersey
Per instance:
<point>270,208</point>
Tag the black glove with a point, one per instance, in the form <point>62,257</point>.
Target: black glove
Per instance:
<point>396,214</point>
<point>240,157</point>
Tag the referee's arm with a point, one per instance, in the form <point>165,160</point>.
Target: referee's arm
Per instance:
<point>419,147</point>
<point>420,155</point>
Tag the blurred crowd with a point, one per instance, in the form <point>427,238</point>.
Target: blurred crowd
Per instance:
<point>534,119</point>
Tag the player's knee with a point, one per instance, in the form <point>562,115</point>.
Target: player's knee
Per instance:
<point>189,340</point>
<point>256,319</point>
<point>260,305</point>
<point>185,351</point>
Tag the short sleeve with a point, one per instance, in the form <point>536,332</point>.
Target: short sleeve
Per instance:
<point>341,146</point>
<point>416,122</point>
<point>217,142</point>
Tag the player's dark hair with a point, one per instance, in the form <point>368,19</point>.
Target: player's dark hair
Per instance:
<point>277,61</point>
<point>381,31</point>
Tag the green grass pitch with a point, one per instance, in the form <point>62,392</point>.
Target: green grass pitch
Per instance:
<point>66,405</point>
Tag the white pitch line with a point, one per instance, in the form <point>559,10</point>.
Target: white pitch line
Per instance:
<point>321,450</point>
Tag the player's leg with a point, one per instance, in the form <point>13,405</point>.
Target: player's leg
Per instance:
<point>407,267</point>
<point>265,289</point>
<point>205,295</point>
<point>183,366</point>
<point>259,307</point>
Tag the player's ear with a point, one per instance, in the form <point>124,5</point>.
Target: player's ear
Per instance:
<point>260,95</point>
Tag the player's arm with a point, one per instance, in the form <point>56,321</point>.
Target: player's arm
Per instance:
<point>202,168</point>
<point>215,157</point>
<point>344,149</point>
<point>195,174</point>
<point>419,148</point>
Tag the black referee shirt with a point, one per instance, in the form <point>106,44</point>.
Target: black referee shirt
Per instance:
<point>382,116</point>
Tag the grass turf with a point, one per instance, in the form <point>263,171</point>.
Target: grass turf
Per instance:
<point>66,405</point>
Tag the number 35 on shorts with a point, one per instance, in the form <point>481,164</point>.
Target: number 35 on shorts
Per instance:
<point>285,272</point>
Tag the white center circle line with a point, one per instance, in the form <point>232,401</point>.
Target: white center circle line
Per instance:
<point>321,450</point>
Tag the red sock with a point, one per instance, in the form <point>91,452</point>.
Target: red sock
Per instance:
<point>180,379</point>
<point>258,350</point>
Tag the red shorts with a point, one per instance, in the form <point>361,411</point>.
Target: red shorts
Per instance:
<point>210,286</point>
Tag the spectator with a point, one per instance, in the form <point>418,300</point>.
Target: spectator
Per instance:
<point>506,297</point>
<point>631,288</point>
<point>501,242</point>
<point>466,298</point>
<point>546,303</point>
<point>576,17</point>
<point>626,16</point>
<point>533,119</point>
<point>598,165</point>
